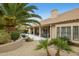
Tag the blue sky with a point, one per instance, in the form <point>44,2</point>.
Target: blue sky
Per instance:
<point>45,8</point>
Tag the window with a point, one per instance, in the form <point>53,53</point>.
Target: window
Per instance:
<point>75,33</point>
<point>69,32</point>
<point>58,31</point>
<point>65,32</point>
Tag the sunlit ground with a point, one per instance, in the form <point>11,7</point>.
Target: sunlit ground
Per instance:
<point>28,49</point>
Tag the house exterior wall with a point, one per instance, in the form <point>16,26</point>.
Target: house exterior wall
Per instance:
<point>54,34</point>
<point>68,24</point>
<point>70,18</point>
<point>53,29</point>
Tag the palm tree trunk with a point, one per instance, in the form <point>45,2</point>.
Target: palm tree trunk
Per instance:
<point>48,54</point>
<point>10,28</point>
<point>58,52</point>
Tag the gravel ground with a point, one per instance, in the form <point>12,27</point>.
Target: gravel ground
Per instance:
<point>28,50</point>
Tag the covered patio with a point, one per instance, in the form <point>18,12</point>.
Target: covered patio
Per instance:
<point>43,31</point>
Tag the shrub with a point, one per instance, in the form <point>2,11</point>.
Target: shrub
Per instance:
<point>25,31</point>
<point>1,26</point>
<point>23,35</point>
<point>43,44</point>
<point>66,39</point>
<point>4,37</point>
<point>61,45</point>
<point>15,35</point>
<point>28,39</point>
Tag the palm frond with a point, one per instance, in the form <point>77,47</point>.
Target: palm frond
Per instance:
<point>4,8</point>
<point>2,26</point>
<point>1,12</point>
<point>21,6</point>
<point>42,44</point>
<point>27,24</point>
<point>61,44</point>
<point>18,13</point>
<point>38,47</point>
<point>33,15</point>
<point>21,13</point>
<point>30,21</point>
<point>12,8</point>
<point>30,8</point>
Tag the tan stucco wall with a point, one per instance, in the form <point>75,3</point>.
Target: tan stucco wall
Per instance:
<point>53,32</point>
<point>54,28</point>
<point>68,24</point>
<point>70,16</point>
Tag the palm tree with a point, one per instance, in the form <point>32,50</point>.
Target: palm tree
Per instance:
<point>14,14</point>
<point>43,44</point>
<point>60,45</point>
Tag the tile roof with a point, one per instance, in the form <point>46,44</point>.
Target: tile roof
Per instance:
<point>67,16</point>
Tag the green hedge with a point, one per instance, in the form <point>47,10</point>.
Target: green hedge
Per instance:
<point>4,37</point>
<point>15,35</point>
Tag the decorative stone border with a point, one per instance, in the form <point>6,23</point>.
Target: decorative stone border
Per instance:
<point>11,46</point>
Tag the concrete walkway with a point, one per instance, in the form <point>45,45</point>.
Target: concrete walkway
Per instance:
<point>34,37</point>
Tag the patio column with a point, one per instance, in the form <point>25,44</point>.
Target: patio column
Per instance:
<point>33,31</point>
<point>39,31</point>
<point>71,32</point>
<point>50,31</point>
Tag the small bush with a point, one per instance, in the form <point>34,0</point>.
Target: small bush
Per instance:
<point>66,39</point>
<point>23,36</point>
<point>4,37</point>
<point>28,39</point>
<point>1,26</point>
<point>15,35</point>
<point>25,31</point>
